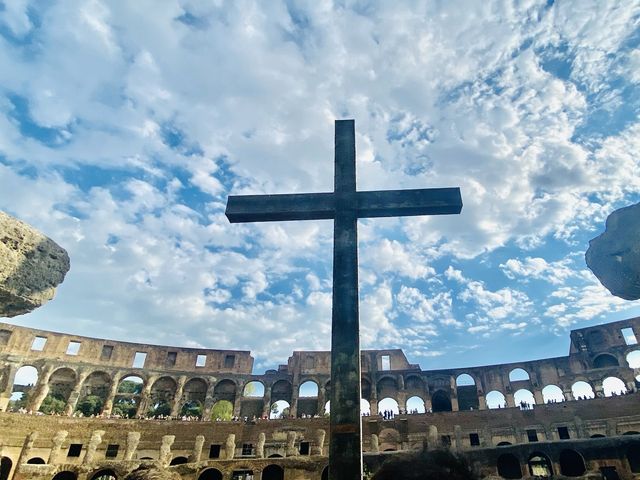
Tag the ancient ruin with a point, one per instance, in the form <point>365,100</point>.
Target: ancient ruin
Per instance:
<point>572,415</point>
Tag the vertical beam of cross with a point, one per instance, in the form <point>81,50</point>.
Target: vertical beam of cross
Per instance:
<point>345,205</point>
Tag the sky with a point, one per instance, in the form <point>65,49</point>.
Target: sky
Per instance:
<point>124,127</point>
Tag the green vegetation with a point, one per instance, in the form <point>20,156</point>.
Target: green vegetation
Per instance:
<point>90,405</point>
<point>53,403</point>
<point>124,407</point>
<point>222,410</point>
<point>127,386</point>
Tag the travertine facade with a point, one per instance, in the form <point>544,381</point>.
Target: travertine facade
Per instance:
<point>598,431</point>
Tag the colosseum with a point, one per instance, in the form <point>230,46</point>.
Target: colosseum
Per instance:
<point>98,409</point>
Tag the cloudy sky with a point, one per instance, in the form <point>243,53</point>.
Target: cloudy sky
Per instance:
<point>125,125</point>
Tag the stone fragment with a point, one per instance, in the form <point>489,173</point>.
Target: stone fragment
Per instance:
<point>165,450</point>
<point>31,266</point>
<point>56,441</point>
<point>133,439</point>
<point>94,442</point>
<point>318,447</point>
<point>614,256</point>
<point>375,443</point>
<point>230,446</point>
<point>197,449</point>
<point>291,444</point>
<point>260,446</point>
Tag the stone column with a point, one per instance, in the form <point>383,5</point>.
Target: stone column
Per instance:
<point>26,448</point>
<point>568,394</point>
<point>165,450</point>
<point>457,434</point>
<point>454,403</point>
<point>177,399</point>
<point>133,439</point>
<point>482,402</point>
<point>321,401</point>
<point>208,402</point>
<point>402,401</point>
<point>96,439</point>
<point>260,445</point>
<point>72,401</point>
<point>509,399</point>
<point>432,437</point>
<point>375,443</point>
<point>318,447</point>
<point>230,447</point>
<point>537,395</point>
<point>428,406</point>
<point>266,402</point>
<point>197,449</point>
<point>145,396</point>
<point>111,396</point>
<point>40,389</point>
<point>291,444</point>
<point>8,377</point>
<point>373,406</point>
<point>57,440</point>
<point>293,407</point>
<point>237,399</point>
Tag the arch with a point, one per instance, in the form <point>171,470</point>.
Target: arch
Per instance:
<point>5,468</point>
<point>613,386</point>
<point>25,379</point>
<point>279,409</point>
<point>552,394</point>
<point>631,432</point>
<point>504,444</point>
<point>179,460</point>
<point>633,457</point>
<point>523,398</point>
<point>105,474</point>
<point>388,404</point>
<point>325,473</point>
<point>253,389</point>
<point>210,474</point>
<point>582,389</point>
<point>65,475</point>
<point>130,384</point>
<point>225,390</point>
<point>440,402</point>
<point>415,404</point>
<point>495,399</point>
<point>272,472</point>
<point>605,360</point>
<point>365,407</point>
<point>61,384</point>
<point>163,389</point>
<point>386,387</point>
<point>518,375</point>
<point>540,466</point>
<point>467,392</point>
<point>509,466</point>
<point>633,359</point>
<point>222,410</point>
<point>571,463</point>
<point>464,380</point>
<point>308,389</point>
<point>275,455</point>
<point>195,390</point>
<point>414,383</point>
<point>281,390</point>
<point>597,435</point>
<point>94,393</point>
<point>36,461</point>
<point>191,408</point>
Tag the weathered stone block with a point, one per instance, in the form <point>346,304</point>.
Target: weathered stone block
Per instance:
<point>614,256</point>
<point>31,266</point>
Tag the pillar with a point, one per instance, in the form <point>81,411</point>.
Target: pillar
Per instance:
<point>197,449</point>
<point>41,389</point>
<point>373,404</point>
<point>321,401</point>
<point>266,402</point>
<point>402,401</point>
<point>56,442</point>
<point>208,402</point>
<point>145,396</point>
<point>293,407</point>
<point>177,397</point>
<point>537,395</point>
<point>568,394</point>
<point>454,403</point>
<point>26,448</point>
<point>133,439</point>
<point>5,395</point>
<point>96,439</point>
<point>482,402</point>
<point>111,396</point>
<point>510,400</point>
<point>72,401</point>
<point>165,450</point>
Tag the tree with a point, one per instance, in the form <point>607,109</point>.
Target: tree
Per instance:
<point>222,410</point>
<point>159,408</point>
<point>22,402</point>
<point>127,386</point>
<point>53,404</point>
<point>90,405</point>
<point>125,407</point>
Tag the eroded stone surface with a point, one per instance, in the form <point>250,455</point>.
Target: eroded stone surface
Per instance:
<point>31,267</point>
<point>614,256</point>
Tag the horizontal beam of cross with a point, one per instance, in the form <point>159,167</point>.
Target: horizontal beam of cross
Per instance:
<point>322,206</point>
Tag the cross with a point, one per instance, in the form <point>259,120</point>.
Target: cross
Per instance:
<point>344,205</point>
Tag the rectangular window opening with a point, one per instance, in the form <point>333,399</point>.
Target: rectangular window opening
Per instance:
<point>171,358</point>
<point>107,351</point>
<point>201,360</point>
<point>474,439</point>
<point>304,448</point>
<point>138,360</point>
<point>74,450</point>
<point>247,449</point>
<point>629,336</point>
<point>532,435</point>
<point>112,451</point>
<point>73,348</point>
<point>229,361</point>
<point>38,343</point>
<point>563,433</point>
<point>214,451</point>
<point>385,362</point>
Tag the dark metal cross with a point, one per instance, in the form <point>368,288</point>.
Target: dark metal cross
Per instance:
<point>345,205</point>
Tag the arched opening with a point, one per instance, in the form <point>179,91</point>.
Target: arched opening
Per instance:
<point>36,461</point>
<point>24,381</point>
<point>178,460</point>
<point>253,389</point>
<point>518,375</point>
<point>495,399</point>
<point>106,474</point>
<point>222,410</point>
<point>597,435</point>
<point>273,472</point>
<point>279,409</point>
<point>327,407</point>
<point>540,466</point>
<point>191,408</point>
<point>631,432</point>
<point>66,475</point>
<point>582,390</point>
<point>163,392</point>
<point>210,474</point>
<point>388,407</point>
<point>571,463</point>
<point>365,407</point>
<point>193,397</point>
<point>467,392</point>
<point>387,387</point>
<point>633,359</point>
<point>503,444</point>
<point>524,399</point>
<point>440,402</point>
<point>126,403</point>
<point>5,468</point>
<point>633,457</point>
<point>275,455</point>
<point>415,405</point>
<point>308,389</point>
<point>509,466</point>
<point>414,384</point>
<point>95,390</point>
<point>225,390</point>
<point>613,386</point>
<point>552,394</point>
<point>605,360</point>
<point>325,473</point>
<point>61,384</point>
<point>281,390</point>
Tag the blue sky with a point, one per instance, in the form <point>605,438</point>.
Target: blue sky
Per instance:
<point>124,127</point>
